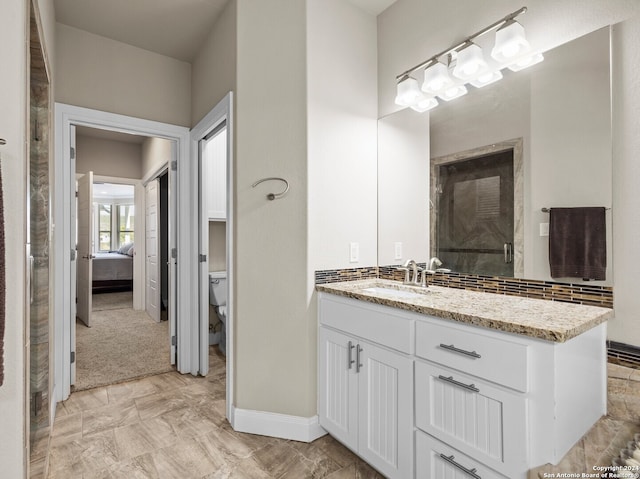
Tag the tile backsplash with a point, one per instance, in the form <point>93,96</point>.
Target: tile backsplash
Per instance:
<point>548,290</point>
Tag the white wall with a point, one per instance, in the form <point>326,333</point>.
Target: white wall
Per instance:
<point>275,361</point>
<point>156,153</point>
<point>403,187</point>
<point>103,74</point>
<point>214,66</point>
<point>626,179</point>
<point>410,31</point>
<point>108,157</point>
<point>341,132</point>
<point>570,152</point>
<point>14,33</point>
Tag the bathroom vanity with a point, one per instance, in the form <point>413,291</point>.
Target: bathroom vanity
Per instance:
<point>441,382</point>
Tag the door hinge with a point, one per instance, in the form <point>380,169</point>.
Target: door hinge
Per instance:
<point>173,341</point>
<point>174,165</point>
<point>73,357</point>
<point>73,255</point>
<point>174,253</point>
<point>202,258</point>
<point>73,153</point>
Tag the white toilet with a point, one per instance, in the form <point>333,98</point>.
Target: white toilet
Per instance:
<point>218,299</point>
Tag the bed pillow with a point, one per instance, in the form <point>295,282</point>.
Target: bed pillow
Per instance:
<point>124,249</point>
<point>131,250</point>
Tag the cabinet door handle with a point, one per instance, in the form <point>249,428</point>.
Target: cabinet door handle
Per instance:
<point>358,363</point>
<point>451,460</point>
<point>470,387</point>
<point>350,361</point>
<point>451,347</point>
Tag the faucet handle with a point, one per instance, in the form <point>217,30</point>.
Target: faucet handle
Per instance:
<point>425,282</point>
<point>406,272</point>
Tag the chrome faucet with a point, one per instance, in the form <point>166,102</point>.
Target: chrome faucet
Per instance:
<point>415,273</point>
<point>434,264</point>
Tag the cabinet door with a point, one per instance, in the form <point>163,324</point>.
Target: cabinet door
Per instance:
<point>215,164</point>
<point>486,422</point>
<point>338,386</point>
<point>385,384</point>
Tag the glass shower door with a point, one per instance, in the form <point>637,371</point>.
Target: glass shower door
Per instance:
<point>475,224</point>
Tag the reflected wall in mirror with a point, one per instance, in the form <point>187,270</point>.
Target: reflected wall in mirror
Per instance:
<point>558,113</point>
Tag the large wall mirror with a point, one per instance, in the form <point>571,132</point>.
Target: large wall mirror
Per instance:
<point>467,182</point>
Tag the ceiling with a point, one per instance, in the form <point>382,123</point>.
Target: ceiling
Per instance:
<point>112,190</point>
<point>174,28</point>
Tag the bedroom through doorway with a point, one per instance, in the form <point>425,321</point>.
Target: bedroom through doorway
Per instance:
<point>117,339</point>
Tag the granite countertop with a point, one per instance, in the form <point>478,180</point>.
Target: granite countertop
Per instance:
<point>537,318</point>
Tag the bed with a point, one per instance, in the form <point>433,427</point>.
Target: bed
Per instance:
<point>113,271</point>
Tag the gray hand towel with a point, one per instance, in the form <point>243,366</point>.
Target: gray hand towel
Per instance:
<point>577,243</point>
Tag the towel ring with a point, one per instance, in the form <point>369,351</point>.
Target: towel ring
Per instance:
<point>274,196</point>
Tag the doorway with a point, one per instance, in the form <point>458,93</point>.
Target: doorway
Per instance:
<point>180,204</point>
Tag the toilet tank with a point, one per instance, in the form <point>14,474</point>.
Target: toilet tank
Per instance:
<point>218,288</point>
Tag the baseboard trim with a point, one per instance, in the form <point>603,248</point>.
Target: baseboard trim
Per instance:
<point>304,429</point>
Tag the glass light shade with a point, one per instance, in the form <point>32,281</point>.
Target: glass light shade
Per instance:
<point>453,92</point>
<point>510,42</point>
<point>408,92</point>
<point>425,104</point>
<point>487,79</point>
<point>436,78</point>
<point>470,62</point>
<point>526,62</point>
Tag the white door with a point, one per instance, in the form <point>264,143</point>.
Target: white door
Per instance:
<point>85,248</point>
<point>152,249</point>
<point>73,234</point>
<point>338,400</point>
<point>385,381</point>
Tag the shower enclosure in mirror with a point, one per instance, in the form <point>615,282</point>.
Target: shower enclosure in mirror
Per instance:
<point>474,214</point>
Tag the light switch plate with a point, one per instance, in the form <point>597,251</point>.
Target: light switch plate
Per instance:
<point>398,250</point>
<point>354,252</point>
<point>544,229</point>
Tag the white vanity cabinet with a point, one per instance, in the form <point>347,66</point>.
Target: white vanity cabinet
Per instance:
<point>366,392</point>
<point>419,396</point>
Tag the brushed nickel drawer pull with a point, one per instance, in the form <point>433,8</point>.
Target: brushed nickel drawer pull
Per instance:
<point>451,347</point>
<point>350,360</point>
<point>358,363</point>
<point>470,387</point>
<point>470,472</point>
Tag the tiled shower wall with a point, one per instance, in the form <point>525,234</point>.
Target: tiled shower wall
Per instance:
<point>39,193</point>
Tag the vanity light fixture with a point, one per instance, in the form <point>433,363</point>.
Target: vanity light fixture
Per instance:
<point>510,42</point>
<point>408,92</point>
<point>470,62</point>
<point>436,78</point>
<point>469,65</point>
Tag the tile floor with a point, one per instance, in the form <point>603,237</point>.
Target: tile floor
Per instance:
<point>173,426</point>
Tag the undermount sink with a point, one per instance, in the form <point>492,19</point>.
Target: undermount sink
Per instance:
<point>396,293</point>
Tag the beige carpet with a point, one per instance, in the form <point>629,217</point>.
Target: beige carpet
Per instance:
<point>122,344</point>
<point>120,300</point>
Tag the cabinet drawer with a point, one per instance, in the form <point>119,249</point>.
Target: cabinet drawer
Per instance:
<point>437,460</point>
<point>379,324</point>
<point>484,421</point>
<point>465,348</point>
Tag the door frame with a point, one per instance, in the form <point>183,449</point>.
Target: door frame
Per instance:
<point>222,112</point>
<point>186,271</point>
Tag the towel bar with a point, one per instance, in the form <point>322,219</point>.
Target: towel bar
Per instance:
<point>546,210</point>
